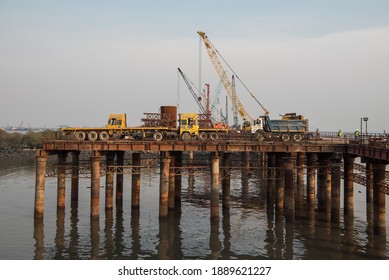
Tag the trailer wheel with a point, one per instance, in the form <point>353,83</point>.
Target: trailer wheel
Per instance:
<point>297,137</point>
<point>92,135</point>
<point>80,135</point>
<point>103,136</point>
<point>285,137</point>
<point>157,136</point>
<point>213,136</point>
<point>203,136</point>
<point>186,136</point>
<point>116,135</point>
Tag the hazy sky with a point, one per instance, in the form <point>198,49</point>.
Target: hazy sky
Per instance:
<point>74,62</point>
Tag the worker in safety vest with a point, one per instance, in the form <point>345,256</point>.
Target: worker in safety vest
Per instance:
<point>340,133</point>
<point>356,134</point>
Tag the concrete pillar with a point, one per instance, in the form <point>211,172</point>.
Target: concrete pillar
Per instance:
<point>335,189</point>
<point>324,185</point>
<point>226,180</point>
<point>164,185</point>
<point>135,180</point>
<point>61,183</point>
<point>110,161</point>
<point>40,184</point>
<point>379,198</point>
<point>74,183</point>
<point>245,158</point>
<point>214,186</point>
<point>280,184</point>
<point>311,178</point>
<point>348,185</point>
<point>177,179</point>
<point>271,181</point>
<point>289,202</point>
<point>172,183</point>
<point>190,174</point>
<point>95,184</point>
<point>119,179</point>
<point>370,198</point>
<point>300,170</point>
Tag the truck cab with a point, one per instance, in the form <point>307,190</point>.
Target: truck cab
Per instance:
<point>188,125</point>
<point>257,125</point>
<point>116,121</point>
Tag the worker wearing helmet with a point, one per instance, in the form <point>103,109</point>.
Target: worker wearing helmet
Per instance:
<point>356,134</point>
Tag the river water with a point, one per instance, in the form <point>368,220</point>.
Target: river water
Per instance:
<point>249,230</point>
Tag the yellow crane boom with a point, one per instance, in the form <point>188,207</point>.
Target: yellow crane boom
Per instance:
<point>212,53</point>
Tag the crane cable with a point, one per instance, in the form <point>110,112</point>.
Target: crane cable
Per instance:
<point>252,95</point>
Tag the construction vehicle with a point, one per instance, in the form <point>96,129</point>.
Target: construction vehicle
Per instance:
<point>290,127</point>
<point>165,128</point>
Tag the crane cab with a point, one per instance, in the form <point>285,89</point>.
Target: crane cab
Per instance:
<point>116,121</point>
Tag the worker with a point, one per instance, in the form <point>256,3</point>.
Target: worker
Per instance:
<point>340,133</point>
<point>356,134</point>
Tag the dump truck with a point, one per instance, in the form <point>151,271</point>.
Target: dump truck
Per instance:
<point>290,127</point>
<point>165,128</point>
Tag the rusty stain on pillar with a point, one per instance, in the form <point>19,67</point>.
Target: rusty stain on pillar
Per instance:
<point>95,184</point>
<point>119,179</point>
<point>289,202</point>
<point>41,160</point>
<point>215,186</point>
<point>172,186</point>
<point>335,189</point>
<point>61,183</point>
<point>226,181</point>
<point>311,178</point>
<point>178,179</point>
<point>135,180</point>
<point>379,198</point>
<point>74,183</point>
<point>164,185</point>
<point>110,160</point>
<point>348,185</point>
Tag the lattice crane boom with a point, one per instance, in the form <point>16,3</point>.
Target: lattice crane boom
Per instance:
<point>224,79</point>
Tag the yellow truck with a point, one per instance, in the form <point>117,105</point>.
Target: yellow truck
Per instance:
<point>116,128</point>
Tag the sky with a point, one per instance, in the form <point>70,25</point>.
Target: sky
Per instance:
<point>74,62</point>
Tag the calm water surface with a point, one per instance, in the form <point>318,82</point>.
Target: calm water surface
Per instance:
<point>249,230</point>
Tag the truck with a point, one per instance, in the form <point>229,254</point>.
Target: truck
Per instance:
<point>162,127</point>
<point>290,127</point>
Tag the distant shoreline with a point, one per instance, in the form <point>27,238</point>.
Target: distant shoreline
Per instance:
<point>17,154</point>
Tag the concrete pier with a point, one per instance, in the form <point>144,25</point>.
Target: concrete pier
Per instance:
<point>289,184</point>
<point>226,180</point>
<point>214,186</point>
<point>74,182</point>
<point>135,180</point>
<point>311,177</point>
<point>40,173</point>
<point>95,185</point>
<point>379,220</point>
<point>348,185</point>
<point>61,181</point>
<point>164,185</point>
<point>119,180</point>
<point>335,189</point>
<point>109,191</point>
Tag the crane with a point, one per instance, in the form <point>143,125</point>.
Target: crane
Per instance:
<point>196,98</point>
<point>236,103</point>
